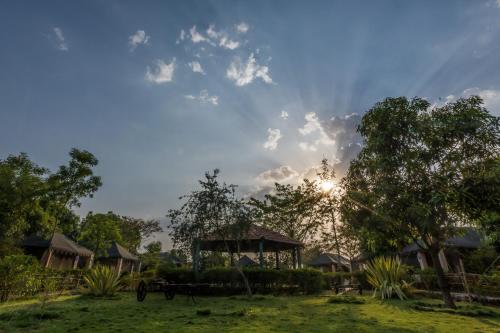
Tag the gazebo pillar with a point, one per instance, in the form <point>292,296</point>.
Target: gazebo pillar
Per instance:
<point>299,258</point>
<point>261,253</point>
<point>196,256</point>
<point>277,254</point>
<point>294,258</point>
<point>231,256</point>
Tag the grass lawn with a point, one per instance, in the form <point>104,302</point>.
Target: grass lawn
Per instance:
<point>233,314</point>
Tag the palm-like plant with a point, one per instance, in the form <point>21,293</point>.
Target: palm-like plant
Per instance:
<point>385,274</point>
<point>102,281</point>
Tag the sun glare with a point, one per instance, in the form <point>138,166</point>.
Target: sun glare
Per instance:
<point>327,185</point>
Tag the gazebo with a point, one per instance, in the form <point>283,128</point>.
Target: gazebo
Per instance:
<point>256,239</point>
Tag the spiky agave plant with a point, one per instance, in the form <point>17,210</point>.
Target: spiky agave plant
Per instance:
<point>385,274</point>
<point>102,281</point>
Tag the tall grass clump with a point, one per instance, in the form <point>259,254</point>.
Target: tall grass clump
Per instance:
<point>385,274</point>
<point>102,281</point>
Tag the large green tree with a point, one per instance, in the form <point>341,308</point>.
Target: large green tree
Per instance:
<point>411,168</point>
<point>211,211</point>
<point>98,231</point>
<point>34,200</point>
<point>134,231</point>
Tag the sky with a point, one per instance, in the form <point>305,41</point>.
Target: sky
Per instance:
<point>163,91</point>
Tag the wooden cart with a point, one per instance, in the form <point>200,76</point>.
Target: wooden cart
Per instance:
<point>170,289</point>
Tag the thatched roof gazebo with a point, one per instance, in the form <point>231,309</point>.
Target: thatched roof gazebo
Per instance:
<point>256,239</point>
<point>58,251</point>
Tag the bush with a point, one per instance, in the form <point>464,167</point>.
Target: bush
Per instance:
<point>229,280</point>
<point>102,281</point>
<point>19,276</point>
<point>385,274</point>
<point>339,278</point>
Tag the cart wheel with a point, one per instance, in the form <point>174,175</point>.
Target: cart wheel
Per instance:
<point>169,294</point>
<point>141,291</point>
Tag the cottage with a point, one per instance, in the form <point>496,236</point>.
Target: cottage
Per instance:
<point>450,258</point>
<point>58,252</point>
<point>328,262</point>
<point>120,259</point>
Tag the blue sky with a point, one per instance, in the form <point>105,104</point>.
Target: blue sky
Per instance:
<point>162,91</point>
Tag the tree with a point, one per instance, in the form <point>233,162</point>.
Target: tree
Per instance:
<point>212,211</point>
<point>134,231</point>
<point>411,167</point>
<point>291,210</point>
<point>480,197</point>
<point>33,200</point>
<point>22,187</point>
<point>151,258</point>
<point>98,231</point>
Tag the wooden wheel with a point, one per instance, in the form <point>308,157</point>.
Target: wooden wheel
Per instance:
<point>141,291</point>
<point>169,294</point>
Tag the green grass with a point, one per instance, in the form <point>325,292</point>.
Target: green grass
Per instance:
<point>234,314</point>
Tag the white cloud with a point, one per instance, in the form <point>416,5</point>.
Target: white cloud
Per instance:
<point>228,43</point>
<point>245,73</point>
<point>196,67</point>
<point>281,174</point>
<point>204,98</point>
<point>313,127</point>
<point>196,37</point>
<point>243,27</point>
<point>498,3</point>
<point>284,114</point>
<point>211,32</point>
<point>61,41</point>
<point>490,97</point>
<point>273,136</point>
<point>139,37</point>
<point>162,73</point>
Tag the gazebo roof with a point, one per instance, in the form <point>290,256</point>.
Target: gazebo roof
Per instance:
<point>247,261</point>
<point>58,242</point>
<point>118,251</point>
<point>470,240</point>
<point>272,241</point>
<point>325,259</point>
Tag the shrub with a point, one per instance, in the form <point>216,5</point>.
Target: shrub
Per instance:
<point>19,276</point>
<point>102,281</point>
<point>385,274</point>
<point>229,280</point>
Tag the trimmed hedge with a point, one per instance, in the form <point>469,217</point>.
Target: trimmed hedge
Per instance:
<point>230,281</point>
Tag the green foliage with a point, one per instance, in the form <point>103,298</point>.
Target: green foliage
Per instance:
<point>19,276</point>
<point>291,210</point>
<point>98,231</point>
<point>262,280</point>
<point>467,310</point>
<point>102,281</point>
<point>33,200</point>
<point>385,274</point>
<point>478,261</point>
<point>407,181</point>
<point>339,278</point>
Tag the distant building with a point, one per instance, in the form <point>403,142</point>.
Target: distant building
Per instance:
<point>58,252</point>
<point>246,261</point>
<point>328,262</point>
<point>120,259</point>
<point>450,258</point>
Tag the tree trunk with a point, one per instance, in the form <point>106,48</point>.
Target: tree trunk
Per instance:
<point>441,277</point>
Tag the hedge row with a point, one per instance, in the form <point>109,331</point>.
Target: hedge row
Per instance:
<point>229,280</point>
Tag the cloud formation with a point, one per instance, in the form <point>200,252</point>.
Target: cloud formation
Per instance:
<point>491,98</point>
<point>314,128</point>
<point>284,115</point>
<point>204,98</point>
<point>60,40</point>
<point>281,174</point>
<point>196,67</point>
<point>243,27</point>
<point>243,73</point>
<point>196,37</point>
<point>162,73</point>
<point>273,136</point>
<point>138,38</point>
<point>227,43</point>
